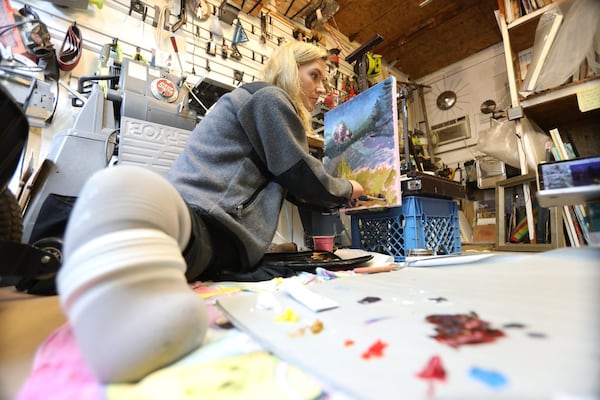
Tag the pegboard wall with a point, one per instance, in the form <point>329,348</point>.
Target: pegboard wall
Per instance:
<point>137,27</point>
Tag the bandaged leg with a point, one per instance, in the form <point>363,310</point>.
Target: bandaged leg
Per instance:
<point>122,281</point>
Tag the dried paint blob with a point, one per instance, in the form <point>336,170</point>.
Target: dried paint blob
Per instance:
<point>298,332</point>
<point>537,335</point>
<point>458,329</point>
<point>288,315</point>
<point>433,371</point>
<point>374,320</point>
<point>514,325</point>
<point>438,299</point>
<point>492,379</point>
<point>316,327</point>
<point>369,300</point>
<point>375,350</point>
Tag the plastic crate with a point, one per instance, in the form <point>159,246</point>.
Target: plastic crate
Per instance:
<point>420,223</point>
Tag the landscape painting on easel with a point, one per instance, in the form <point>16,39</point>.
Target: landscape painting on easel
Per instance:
<point>361,143</point>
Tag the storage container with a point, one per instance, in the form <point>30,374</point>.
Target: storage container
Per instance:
<point>420,223</point>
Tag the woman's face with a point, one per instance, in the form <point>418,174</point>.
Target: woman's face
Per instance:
<point>312,75</point>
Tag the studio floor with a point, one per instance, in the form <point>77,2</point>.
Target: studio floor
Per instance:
<point>545,305</point>
<point>25,321</point>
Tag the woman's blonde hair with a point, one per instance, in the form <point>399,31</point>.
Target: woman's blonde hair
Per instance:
<point>281,70</point>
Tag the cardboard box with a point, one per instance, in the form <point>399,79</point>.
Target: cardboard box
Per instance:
<point>484,233</point>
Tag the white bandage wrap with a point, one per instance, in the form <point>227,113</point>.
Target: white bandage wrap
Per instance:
<point>126,197</point>
<point>129,305</point>
<point>122,283</point>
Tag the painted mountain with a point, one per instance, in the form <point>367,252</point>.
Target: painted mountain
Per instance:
<point>361,143</point>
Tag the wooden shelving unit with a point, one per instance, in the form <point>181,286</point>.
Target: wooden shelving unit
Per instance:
<point>553,108</point>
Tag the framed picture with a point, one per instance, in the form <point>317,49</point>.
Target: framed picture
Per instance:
<point>512,227</point>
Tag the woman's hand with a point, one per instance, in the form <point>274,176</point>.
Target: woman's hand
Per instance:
<point>357,189</point>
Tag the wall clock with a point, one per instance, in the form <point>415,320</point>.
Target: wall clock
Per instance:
<point>448,98</point>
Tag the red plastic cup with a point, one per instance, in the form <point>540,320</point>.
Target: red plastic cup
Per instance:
<point>323,243</point>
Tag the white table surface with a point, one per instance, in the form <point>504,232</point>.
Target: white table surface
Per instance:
<point>555,295</point>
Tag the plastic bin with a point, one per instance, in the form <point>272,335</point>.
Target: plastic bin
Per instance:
<point>420,223</point>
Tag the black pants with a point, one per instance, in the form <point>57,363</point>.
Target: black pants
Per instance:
<point>215,254</point>
<point>212,253</point>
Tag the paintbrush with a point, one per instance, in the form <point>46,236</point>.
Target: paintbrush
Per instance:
<point>364,197</point>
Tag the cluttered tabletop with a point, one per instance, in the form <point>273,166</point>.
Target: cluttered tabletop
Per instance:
<point>475,326</point>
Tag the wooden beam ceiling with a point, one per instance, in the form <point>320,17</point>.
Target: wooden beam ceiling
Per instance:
<point>418,40</point>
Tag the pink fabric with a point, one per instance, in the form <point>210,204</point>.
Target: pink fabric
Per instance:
<point>59,372</point>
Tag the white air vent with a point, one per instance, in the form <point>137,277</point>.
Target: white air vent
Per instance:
<point>452,130</point>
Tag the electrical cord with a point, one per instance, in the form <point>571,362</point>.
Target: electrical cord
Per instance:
<point>6,28</point>
<point>51,117</point>
<point>27,100</point>
<point>17,68</point>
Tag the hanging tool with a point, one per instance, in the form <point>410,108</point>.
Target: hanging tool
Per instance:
<point>228,12</point>
<point>202,11</point>
<point>239,34</point>
<point>70,51</point>
<point>238,77</point>
<point>215,31</point>
<point>264,32</point>
<point>360,56</point>
<point>138,7</point>
<point>137,56</point>
<point>174,43</point>
<point>235,52</point>
<point>211,48</point>
<point>182,17</point>
<point>224,50</point>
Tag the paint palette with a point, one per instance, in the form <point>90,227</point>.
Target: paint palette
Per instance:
<point>309,261</point>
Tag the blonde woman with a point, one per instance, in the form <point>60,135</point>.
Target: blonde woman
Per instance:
<point>134,239</point>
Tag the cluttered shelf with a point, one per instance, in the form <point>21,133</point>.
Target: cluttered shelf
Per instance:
<point>553,82</point>
<point>569,92</point>
<point>522,29</point>
<point>540,40</point>
<point>571,102</point>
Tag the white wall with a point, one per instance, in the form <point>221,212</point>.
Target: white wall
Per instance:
<point>475,79</point>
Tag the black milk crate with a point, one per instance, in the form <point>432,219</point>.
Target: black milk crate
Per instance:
<point>420,223</point>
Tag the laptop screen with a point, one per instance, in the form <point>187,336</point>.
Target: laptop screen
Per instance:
<point>567,182</point>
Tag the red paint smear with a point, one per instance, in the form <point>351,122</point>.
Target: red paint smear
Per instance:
<point>434,370</point>
<point>376,350</point>
<point>458,329</point>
